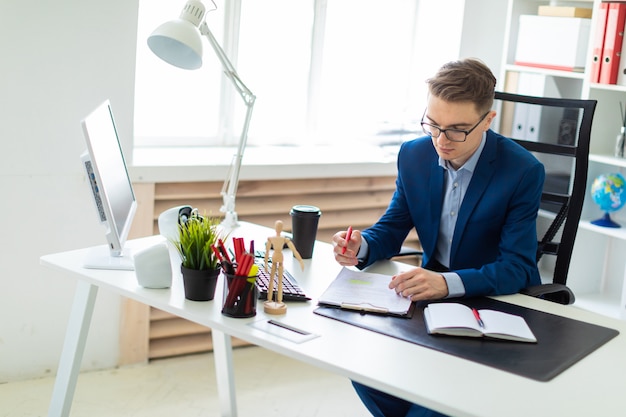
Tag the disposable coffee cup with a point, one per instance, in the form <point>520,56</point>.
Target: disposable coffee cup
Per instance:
<point>304,220</point>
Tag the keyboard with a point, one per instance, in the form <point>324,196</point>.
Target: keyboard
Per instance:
<point>291,288</point>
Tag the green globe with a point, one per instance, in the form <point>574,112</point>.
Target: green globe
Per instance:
<point>608,192</point>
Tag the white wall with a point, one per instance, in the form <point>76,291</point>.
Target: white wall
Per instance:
<point>483,32</point>
<point>60,59</point>
<point>472,28</point>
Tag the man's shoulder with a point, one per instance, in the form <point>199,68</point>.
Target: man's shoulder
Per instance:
<point>422,145</point>
<point>417,154</point>
<point>418,142</point>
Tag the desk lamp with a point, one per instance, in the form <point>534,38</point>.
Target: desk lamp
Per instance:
<point>178,42</point>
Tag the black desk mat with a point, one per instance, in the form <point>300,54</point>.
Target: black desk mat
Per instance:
<point>561,341</point>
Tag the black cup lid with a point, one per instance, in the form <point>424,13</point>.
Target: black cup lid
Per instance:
<point>305,210</point>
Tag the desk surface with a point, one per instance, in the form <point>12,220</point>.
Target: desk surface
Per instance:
<point>452,385</point>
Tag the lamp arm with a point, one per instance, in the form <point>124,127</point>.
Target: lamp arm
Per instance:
<point>229,69</point>
<point>229,189</point>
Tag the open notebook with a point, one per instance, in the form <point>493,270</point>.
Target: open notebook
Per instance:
<point>456,319</point>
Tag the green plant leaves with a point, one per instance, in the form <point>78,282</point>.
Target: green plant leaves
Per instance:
<point>196,237</point>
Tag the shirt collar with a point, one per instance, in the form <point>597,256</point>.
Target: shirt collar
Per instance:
<point>470,164</point>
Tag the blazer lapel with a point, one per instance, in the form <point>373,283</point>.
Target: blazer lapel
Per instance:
<point>480,179</point>
<point>436,203</point>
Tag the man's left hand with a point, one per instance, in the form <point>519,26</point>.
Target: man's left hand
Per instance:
<point>420,284</point>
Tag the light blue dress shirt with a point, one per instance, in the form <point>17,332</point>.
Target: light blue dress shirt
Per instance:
<point>455,183</point>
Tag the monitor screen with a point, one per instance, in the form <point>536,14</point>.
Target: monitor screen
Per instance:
<point>110,185</point>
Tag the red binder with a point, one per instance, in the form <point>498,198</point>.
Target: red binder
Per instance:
<point>598,42</point>
<point>613,38</point>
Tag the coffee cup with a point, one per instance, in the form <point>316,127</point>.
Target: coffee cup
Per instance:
<point>304,221</point>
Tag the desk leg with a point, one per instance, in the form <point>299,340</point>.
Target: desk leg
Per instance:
<point>223,354</point>
<point>73,348</point>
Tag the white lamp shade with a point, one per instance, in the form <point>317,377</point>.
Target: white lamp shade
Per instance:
<point>178,43</point>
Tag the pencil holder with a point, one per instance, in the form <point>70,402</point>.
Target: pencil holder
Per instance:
<point>240,296</point>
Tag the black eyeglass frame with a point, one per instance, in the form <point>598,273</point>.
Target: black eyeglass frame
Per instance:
<point>445,131</point>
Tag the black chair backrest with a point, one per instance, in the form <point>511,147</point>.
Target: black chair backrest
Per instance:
<point>557,131</point>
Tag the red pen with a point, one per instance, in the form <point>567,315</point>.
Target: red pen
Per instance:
<point>478,319</point>
<point>348,236</point>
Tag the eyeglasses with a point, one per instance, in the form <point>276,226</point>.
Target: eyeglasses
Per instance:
<point>453,135</point>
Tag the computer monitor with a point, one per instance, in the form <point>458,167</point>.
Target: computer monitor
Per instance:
<point>111,188</point>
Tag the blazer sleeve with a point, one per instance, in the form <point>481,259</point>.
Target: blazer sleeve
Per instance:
<point>410,205</point>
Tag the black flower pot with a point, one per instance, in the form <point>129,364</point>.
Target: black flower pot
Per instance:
<point>199,284</point>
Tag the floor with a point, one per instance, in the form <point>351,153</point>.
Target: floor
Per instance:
<point>267,385</point>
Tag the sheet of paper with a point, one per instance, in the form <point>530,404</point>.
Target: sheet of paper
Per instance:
<point>366,291</point>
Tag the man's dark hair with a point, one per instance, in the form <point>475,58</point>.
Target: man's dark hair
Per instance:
<point>467,80</point>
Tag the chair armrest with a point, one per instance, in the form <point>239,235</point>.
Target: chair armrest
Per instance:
<point>409,255</point>
<point>409,251</point>
<point>557,293</point>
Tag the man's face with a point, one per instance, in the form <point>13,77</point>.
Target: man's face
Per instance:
<point>459,116</point>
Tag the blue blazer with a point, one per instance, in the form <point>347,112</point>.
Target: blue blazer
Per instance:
<point>495,240</point>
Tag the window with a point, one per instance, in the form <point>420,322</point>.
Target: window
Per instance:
<point>323,71</point>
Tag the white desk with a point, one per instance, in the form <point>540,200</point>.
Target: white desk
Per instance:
<point>593,386</point>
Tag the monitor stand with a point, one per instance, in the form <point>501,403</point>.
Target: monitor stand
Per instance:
<point>101,258</point>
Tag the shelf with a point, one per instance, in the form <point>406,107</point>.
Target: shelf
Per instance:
<point>597,275</point>
<point>601,304</point>
<point>608,160</point>
<point>618,233</point>
<point>608,87</point>
<point>546,71</point>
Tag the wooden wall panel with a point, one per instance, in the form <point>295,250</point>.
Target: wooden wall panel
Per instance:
<point>343,201</point>
<point>135,316</point>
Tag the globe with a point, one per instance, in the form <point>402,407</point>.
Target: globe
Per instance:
<point>609,192</point>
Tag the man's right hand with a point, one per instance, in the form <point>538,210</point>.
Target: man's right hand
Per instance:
<point>352,247</point>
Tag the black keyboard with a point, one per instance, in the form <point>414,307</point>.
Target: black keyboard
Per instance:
<point>291,288</point>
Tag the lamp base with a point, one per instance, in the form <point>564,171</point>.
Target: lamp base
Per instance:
<point>230,220</point>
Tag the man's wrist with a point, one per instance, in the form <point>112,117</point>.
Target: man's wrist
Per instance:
<point>455,285</point>
<point>363,250</point>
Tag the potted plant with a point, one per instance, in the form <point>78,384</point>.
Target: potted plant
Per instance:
<point>199,264</point>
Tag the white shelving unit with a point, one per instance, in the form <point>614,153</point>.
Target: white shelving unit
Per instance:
<point>598,269</point>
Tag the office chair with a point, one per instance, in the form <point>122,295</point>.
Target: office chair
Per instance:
<point>557,131</point>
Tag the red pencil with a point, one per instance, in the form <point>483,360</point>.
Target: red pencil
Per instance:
<point>477,316</point>
<point>348,236</point>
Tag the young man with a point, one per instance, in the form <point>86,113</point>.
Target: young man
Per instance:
<point>472,196</point>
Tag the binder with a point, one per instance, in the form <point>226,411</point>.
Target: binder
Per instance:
<point>536,85</point>
<point>527,118</point>
<point>365,292</point>
<point>598,42</point>
<point>519,127</point>
<point>621,71</point>
<point>533,122</point>
<point>613,38</point>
